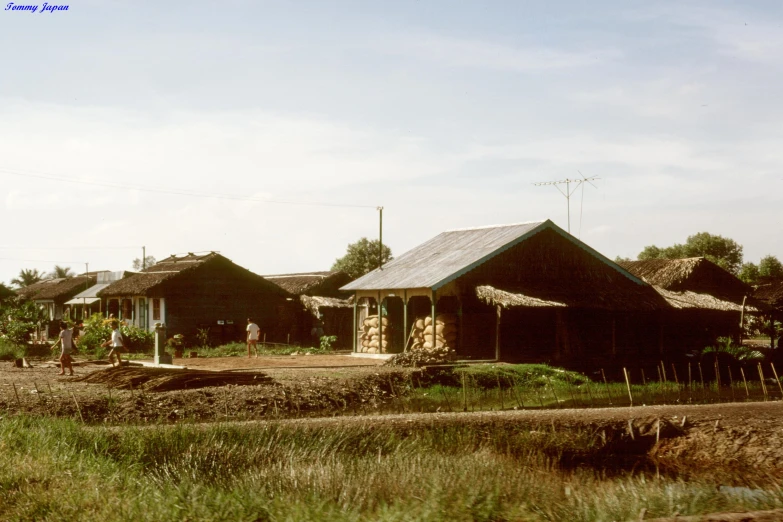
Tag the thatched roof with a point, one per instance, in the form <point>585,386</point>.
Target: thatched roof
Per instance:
<point>56,289</point>
<point>141,283</point>
<point>454,253</point>
<point>770,291</point>
<point>314,304</point>
<point>311,283</point>
<point>693,274</point>
<point>494,297</point>
<point>685,300</point>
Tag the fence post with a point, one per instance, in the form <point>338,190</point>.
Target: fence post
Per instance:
<point>628,384</point>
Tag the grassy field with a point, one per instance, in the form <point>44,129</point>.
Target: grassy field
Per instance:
<point>60,470</point>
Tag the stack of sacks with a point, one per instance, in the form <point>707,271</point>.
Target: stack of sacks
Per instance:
<point>371,335</point>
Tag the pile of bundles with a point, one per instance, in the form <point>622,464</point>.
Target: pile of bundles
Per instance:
<point>444,337</point>
<point>371,335</point>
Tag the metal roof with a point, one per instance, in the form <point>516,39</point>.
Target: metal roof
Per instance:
<point>453,253</point>
<point>91,292</point>
<point>444,257</point>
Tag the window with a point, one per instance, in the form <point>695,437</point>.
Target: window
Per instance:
<point>127,309</point>
<point>156,309</point>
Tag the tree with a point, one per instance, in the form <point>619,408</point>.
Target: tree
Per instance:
<point>27,277</point>
<point>722,251</point>
<point>362,257</point>
<point>138,265</point>
<point>60,272</point>
<point>770,266</point>
<point>749,273</point>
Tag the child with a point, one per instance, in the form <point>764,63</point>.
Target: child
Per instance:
<point>117,343</point>
<point>66,342</point>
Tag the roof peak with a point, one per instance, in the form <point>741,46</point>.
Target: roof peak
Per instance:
<point>522,223</point>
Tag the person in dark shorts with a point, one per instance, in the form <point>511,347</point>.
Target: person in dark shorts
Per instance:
<point>66,347</point>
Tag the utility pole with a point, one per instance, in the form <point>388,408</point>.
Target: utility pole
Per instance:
<point>143,258</point>
<point>568,191</point>
<point>380,238</point>
<point>86,268</point>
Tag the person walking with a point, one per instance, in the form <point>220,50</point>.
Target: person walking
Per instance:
<point>252,336</point>
<point>66,346</point>
<point>117,343</point>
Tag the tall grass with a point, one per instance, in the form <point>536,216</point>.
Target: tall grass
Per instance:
<point>57,470</point>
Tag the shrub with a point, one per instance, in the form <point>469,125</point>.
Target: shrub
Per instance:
<point>97,330</point>
<point>19,319</point>
<point>327,341</point>
<point>10,351</point>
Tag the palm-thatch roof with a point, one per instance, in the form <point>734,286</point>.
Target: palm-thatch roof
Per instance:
<point>496,297</point>
<point>60,289</point>
<point>326,283</point>
<point>695,282</point>
<point>313,304</point>
<point>770,291</point>
<point>151,279</point>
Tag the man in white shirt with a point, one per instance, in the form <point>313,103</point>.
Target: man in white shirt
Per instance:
<point>252,336</point>
<point>117,343</point>
<point>66,343</point>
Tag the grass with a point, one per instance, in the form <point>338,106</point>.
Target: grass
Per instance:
<point>59,470</point>
<point>240,349</point>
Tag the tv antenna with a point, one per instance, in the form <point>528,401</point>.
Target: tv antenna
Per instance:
<point>569,191</point>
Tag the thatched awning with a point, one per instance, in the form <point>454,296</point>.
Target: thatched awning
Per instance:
<point>495,297</point>
<point>770,292</point>
<point>313,304</point>
<point>692,300</point>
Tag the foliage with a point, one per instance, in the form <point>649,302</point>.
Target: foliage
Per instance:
<point>60,272</point>
<point>327,341</point>
<point>341,472</point>
<point>422,357</point>
<point>621,259</point>
<point>27,277</point>
<point>240,349</point>
<point>738,353</point>
<point>175,342</point>
<point>19,319</point>
<point>362,257</point>
<point>722,251</point>
<point>97,330</point>
<point>203,337</point>
<point>10,351</point>
<point>769,267</point>
<point>138,265</point>
<point>535,375</point>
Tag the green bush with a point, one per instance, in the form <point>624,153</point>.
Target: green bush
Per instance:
<point>19,319</point>
<point>97,330</point>
<point>10,351</point>
<point>327,341</point>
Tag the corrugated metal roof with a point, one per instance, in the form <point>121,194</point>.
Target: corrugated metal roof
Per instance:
<point>91,292</point>
<point>445,257</point>
<point>453,253</point>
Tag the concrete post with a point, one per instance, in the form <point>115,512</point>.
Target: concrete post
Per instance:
<point>161,357</point>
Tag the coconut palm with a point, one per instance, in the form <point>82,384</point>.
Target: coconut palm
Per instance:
<point>61,272</point>
<point>27,277</point>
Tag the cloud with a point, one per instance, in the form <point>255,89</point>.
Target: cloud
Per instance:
<point>481,54</point>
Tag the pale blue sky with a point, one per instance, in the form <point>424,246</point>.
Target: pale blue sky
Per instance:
<point>444,113</point>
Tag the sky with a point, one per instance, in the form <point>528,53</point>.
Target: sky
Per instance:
<point>119,118</point>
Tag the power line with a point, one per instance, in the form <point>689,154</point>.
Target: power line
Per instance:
<point>3,247</point>
<point>38,260</point>
<point>41,175</point>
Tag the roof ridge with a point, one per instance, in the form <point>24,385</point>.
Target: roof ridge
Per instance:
<point>497,226</point>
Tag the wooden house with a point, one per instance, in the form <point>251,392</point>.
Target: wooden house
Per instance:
<point>193,292</point>
<point>770,292</point>
<point>53,294</point>
<point>522,292</point>
<point>705,301</point>
<point>323,308</point>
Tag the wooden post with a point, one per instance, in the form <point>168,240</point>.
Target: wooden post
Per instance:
<point>17,395</point>
<point>614,335</point>
<point>497,335</point>
<point>355,336</point>
<point>553,392</point>
<point>731,384</point>
<point>628,385</point>
<point>763,384</point>
<point>777,379</point>
<point>405,319</point>
<point>77,407</point>
<point>380,323</point>
<point>747,392</point>
<point>606,383</point>
<point>434,334</point>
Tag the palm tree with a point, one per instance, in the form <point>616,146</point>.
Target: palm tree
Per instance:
<point>27,277</point>
<point>61,272</point>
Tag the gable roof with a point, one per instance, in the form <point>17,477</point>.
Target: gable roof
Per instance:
<point>55,289</point>
<point>453,253</point>
<point>694,274</point>
<point>771,292</point>
<point>140,283</point>
<point>310,283</point>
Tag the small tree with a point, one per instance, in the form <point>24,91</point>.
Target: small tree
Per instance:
<point>362,257</point>
<point>749,273</point>
<point>138,265</point>
<point>722,251</point>
<point>19,319</point>
<point>770,266</point>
